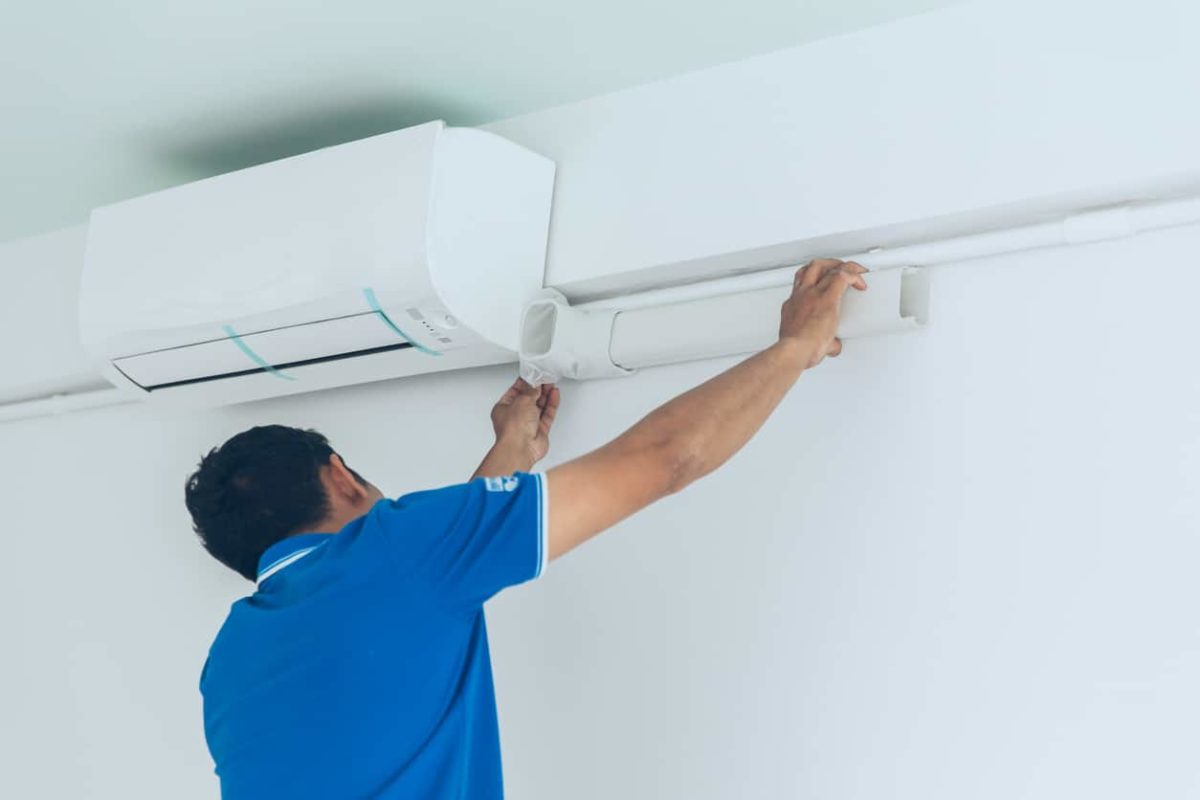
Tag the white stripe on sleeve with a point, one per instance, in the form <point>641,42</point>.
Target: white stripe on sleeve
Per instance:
<point>543,523</point>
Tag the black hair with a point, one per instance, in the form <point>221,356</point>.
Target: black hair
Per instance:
<point>261,486</point>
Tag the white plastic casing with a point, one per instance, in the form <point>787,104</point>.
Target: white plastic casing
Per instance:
<point>265,281</point>
<point>603,341</point>
<point>742,322</point>
<point>558,341</point>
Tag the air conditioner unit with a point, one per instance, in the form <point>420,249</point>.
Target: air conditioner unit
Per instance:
<point>410,252</point>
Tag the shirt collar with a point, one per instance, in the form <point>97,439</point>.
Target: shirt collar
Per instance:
<point>288,551</point>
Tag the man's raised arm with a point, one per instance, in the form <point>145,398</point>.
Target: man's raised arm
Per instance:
<point>695,433</point>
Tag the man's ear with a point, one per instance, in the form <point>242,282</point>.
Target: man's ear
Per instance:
<point>342,480</point>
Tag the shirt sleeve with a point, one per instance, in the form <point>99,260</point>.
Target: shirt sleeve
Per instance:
<point>467,542</point>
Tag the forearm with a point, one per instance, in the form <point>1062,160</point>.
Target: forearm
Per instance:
<point>697,432</point>
<point>702,429</point>
<point>504,458</point>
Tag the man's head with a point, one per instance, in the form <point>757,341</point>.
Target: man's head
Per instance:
<point>266,484</point>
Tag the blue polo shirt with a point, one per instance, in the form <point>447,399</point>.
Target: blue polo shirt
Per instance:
<point>359,668</point>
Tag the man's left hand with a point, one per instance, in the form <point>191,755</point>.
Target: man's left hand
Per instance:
<point>522,419</point>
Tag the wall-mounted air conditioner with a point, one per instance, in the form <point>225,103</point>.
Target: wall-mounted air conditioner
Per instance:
<point>409,252</point>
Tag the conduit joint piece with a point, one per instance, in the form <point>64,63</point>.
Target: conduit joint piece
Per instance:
<point>558,341</point>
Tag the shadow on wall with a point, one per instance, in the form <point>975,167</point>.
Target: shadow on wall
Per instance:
<point>210,145</point>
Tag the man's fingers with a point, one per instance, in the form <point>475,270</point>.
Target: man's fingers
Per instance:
<point>550,401</point>
<point>523,390</point>
<point>858,270</point>
<point>839,278</point>
<point>519,388</point>
<point>822,267</point>
<point>835,348</point>
<point>832,278</point>
<point>812,272</point>
<point>548,411</point>
<point>818,269</point>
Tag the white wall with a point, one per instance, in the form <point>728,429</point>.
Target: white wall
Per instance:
<point>39,326</point>
<point>955,564</point>
<point>985,113</point>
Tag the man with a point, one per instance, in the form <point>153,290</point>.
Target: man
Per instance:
<point>359,667</point>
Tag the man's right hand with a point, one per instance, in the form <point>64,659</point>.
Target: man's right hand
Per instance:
<point>810,316</point>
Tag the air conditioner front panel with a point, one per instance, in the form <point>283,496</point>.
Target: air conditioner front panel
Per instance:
<point>327,223</point>
<point>271,351</point>
<point>367,368</point>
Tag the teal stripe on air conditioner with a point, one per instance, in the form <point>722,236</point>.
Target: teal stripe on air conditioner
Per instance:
<point>253,356</point>
<point>373,302</point>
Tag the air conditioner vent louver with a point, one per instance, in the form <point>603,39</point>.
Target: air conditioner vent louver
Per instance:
<point>272,351</point>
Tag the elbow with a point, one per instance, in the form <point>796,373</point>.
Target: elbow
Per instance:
<point>680,464</point>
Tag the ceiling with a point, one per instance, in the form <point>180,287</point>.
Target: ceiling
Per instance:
<point>103,101</point>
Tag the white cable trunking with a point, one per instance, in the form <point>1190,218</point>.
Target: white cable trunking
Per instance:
<point>599,341</point>
<point>740,314</point>
<point>616,335</point>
